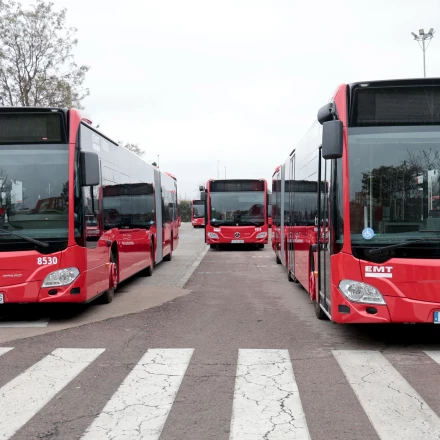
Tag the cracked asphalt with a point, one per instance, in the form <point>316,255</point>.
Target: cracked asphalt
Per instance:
<point>239,299</point>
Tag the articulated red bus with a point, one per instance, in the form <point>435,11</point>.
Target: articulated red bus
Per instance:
<point>198,213</point>
<point>236,212</point>
<point>78,212</point>
<point>354,212</point>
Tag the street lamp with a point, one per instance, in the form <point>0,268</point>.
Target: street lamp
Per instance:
<point>422,37</point>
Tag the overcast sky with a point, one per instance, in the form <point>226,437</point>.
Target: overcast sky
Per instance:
<point>240,81</point>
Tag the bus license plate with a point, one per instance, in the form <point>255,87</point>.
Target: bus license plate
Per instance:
<point>437,317</point>
<point>237,241</point>
<point>2,299</point>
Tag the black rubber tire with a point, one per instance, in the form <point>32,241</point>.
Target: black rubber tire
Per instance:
<point>319,313</point>
<point>149,270</point>
<point>260,245</point>
<point>213,246</point>
<point>277,258</point>
<point>169,257</point>
<point>289,277</point>
<point>108,295</point>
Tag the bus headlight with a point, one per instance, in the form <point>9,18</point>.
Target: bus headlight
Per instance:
<point>213,235</point>
<point>360,292</point>
<point>262,235</point>
<point>62,277</point>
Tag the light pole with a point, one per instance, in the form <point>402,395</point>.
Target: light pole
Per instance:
<point>422,37</point>
<point>157,161</point>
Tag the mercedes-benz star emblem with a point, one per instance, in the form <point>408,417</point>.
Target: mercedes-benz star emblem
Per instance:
<point>237,234</point>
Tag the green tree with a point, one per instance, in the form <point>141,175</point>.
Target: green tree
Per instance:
<point>185,210</point>
<point>36,60</point>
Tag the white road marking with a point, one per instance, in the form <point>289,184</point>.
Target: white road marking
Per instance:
<point>140,406</point>
<point>395,409</point>
<point>4,350</point>
<point>434,355</point>
<point>43,322</point>
<point>266,398</point>
<point>24,396</point>
<point>186,276</point>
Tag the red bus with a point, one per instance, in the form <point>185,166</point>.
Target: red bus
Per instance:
<point>78,212</point>
<point>355,205</point>
<point>269,209</point>
<point>236,212</point>
<point>198,213</point>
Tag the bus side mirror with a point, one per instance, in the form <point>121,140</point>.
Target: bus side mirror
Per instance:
<point>90,168</point>
<point>201,188</point>
<point>332,139</point>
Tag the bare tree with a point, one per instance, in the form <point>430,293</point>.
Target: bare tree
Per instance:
<point>36,61</point>
<point>135,148</point>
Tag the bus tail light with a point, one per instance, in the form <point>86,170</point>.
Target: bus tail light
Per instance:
<point>213,235</point>
<point>261,235</point>
<point>356,291</point>
<point>62,277</point>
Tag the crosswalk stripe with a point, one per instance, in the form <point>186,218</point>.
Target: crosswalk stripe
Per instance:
<point>266,398</point>
<point>395,409</point>
<point>434,355</point>
<point>140,406</point>
<point>24,396</point>
<point>4,350</point>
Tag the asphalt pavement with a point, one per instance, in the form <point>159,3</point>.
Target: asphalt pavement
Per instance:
<point>238,354</point>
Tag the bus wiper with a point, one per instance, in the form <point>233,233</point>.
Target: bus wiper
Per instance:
<point>383,250</point>
<point>246,223</point>
<point>30,240</point>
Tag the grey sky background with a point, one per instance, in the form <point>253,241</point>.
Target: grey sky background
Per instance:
<point>241,81</point>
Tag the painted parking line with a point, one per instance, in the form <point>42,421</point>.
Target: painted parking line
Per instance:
<point>5,323</point>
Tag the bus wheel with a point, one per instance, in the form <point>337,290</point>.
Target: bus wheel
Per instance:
<point>277,259</point>
<point>149,270</point>
<point>260,245</point>
<point>169,257</point>
<point>314,294</point>
<point>108,295</point>
<point>213,246</point>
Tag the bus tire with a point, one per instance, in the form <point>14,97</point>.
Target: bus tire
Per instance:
<point>277,258</point>
<point>319,313</point>
<point>108,295</point>
<point>213,246</point>
<point>169,257</point>
<point>149,270</point>
<point>260,245</point>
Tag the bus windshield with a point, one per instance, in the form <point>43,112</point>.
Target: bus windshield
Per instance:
<point>237,208</point>
<point>199,209</point>
<point>33,195</point>
<point>395,189</point>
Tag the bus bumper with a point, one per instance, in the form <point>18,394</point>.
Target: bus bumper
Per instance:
<point>396,310</point>
<point>31,292</point>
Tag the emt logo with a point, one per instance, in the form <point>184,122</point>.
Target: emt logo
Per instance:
<point>378,271</point>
